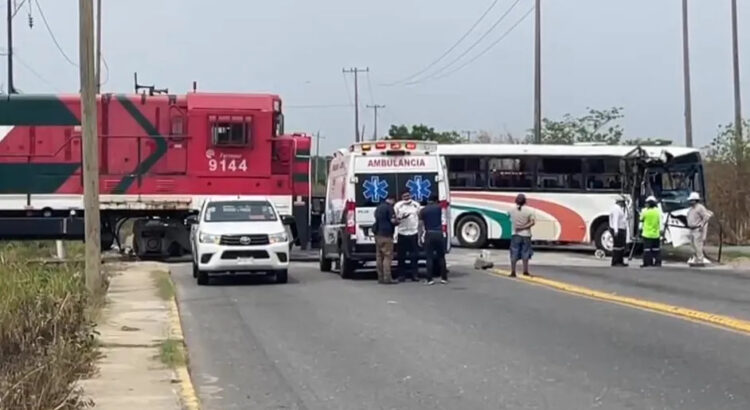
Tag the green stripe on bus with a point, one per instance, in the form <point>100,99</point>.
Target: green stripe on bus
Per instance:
<point>503,219</point>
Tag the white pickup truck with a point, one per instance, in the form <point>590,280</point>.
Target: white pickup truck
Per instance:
<point>239,236</point>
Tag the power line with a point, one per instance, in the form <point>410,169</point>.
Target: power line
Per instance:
<point>471,47</point>
<point>17,8</point>
<point>52,34</point>
<point>34,72</point>
<point>106,68</point>
<point>315,106</point>
<point>450,49</point>
<point>486,50</point>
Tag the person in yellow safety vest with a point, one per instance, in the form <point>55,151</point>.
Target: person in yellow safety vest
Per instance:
<point>651,233</point>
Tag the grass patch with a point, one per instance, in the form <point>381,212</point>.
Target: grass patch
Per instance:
<point>172,353</point>
<point>47,334</point>
<point>164,285</point>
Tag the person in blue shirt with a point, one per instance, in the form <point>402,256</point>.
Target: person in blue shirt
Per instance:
<point>434,241</point>
<point>383,229</point>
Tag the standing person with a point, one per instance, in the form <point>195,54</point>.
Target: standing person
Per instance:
<point>651,233</point>
<point>407,213</point>
<point>697,222</point>
<point>618,226</point>
<point>434,242</point>
<point>520,243</point>
<point>384,228</point>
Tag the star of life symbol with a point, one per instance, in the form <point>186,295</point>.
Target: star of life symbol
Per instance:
<point>375,189</point>
<point>419,188</point>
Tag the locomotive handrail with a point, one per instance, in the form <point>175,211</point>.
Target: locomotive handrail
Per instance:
<point>70,140</point>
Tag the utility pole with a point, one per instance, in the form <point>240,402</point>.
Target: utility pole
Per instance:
<point>356,71</point>
<point>737,95</point>
<point>375,109</point>
<point>90,145</point>
<point>468,134</point>
<point>11,88</point>
<point>538,74</point>
<point>317,156</point>
<point>686,70</point>
<point>98,46</point>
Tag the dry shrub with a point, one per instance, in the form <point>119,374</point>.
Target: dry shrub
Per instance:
<point>728,199</point>
<point>727,171</point>
<point>47,340</point>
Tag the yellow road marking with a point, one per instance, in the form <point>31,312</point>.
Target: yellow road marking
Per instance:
<point>726,322</point>
<point>187,392</point>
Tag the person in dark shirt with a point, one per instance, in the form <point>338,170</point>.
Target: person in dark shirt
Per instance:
<point>434,242</point>
<point>384,228</point>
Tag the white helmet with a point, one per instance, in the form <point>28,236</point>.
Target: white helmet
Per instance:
<point>694,196</point>
<point>651,198</point>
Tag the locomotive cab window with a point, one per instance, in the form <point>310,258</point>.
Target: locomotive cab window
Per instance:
<point>231,131</point>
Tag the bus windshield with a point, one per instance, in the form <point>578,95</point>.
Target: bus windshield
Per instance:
<point>672,186</point>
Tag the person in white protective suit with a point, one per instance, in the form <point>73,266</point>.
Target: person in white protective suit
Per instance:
<point>697,221</point>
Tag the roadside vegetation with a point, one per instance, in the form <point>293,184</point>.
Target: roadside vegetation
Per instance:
<point>172,353</point>
<point>47,328</point>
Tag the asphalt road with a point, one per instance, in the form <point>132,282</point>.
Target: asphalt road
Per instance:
<point>480,342</point>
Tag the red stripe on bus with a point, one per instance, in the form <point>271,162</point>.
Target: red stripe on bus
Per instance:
<point>572,225</point>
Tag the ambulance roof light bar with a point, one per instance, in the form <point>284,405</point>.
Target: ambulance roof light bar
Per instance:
<point>394,145</point>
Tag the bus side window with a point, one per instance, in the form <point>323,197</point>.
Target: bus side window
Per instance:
<point>603,174</point>
<point>511,173</point>
<point>560,173</point>
<point>467,172</point>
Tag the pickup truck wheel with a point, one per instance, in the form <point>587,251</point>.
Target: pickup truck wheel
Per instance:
<point>346,267</point>
<point>282,276</point>
<point>325,264</point>
<point>202,278</point>
<point>195,270</point>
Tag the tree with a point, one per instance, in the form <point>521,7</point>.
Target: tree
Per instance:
<point>595,126</point>
<point>725,147</point>
<point>422,132</point>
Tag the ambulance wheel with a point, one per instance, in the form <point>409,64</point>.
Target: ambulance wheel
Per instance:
<point>603,238</point>
<point>346,267</point>
<point>325,264</point>
<point>472,232</point>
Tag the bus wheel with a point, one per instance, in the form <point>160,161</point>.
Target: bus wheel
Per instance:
<point>603,238</point>
<point>472,232</point>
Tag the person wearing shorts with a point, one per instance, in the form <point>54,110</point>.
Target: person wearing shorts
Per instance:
<point>522,219</point>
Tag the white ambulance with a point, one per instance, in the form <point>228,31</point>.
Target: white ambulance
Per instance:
<point>361,178</point>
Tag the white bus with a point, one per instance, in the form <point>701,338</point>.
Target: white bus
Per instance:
<point>570,189</point>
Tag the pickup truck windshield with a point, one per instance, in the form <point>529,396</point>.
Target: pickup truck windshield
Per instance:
<point>239,211</point>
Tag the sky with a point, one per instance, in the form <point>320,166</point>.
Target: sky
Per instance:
<point>596,53</point>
